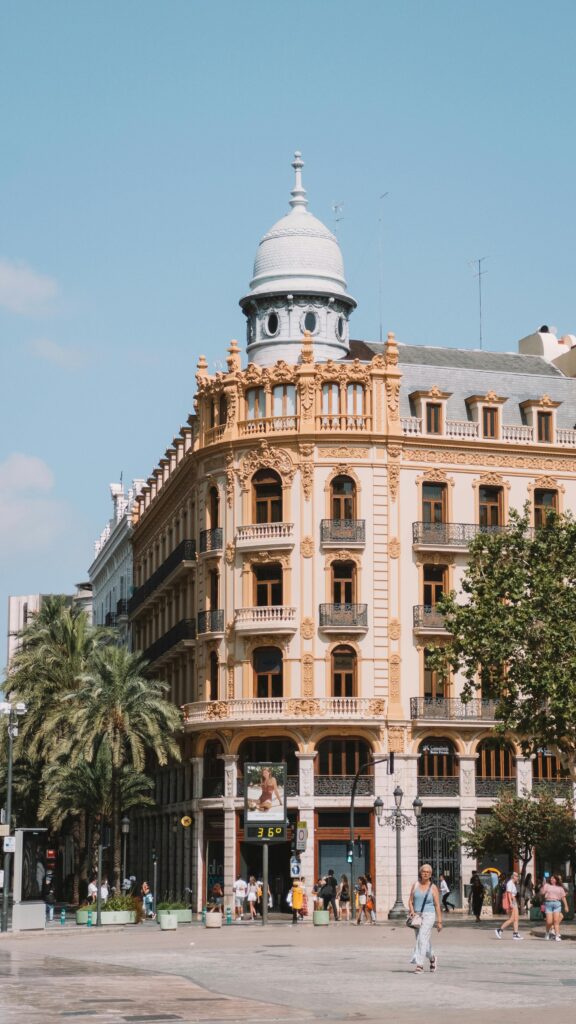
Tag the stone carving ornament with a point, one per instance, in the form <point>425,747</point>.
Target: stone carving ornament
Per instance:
<point>265,457</point>
<point>461,457</point>
<point>307,547</point>
<point>307,629</point>
<point>343,453</point>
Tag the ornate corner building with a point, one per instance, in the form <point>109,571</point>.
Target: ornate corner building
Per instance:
<point>289,553</point>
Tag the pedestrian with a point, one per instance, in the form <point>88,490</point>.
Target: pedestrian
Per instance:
<point>147,898</point>
<point>239,889</point>
<point>424,899</point>
<point>104,890</point>
<point>217,898</point>
<point>510,907</point>
<point>49,898</point>
<point>344,897</point>
<point>554,895</point>
<point>370,899</point>
<point>304,910</point>
<point>297,902</point>
<point>316,891</point>
<point>528,893</point>
<point>328,893</point>
<point>252,896</point>
<point>477,894</point>
<point>362,891</point>
<point>92,890</point>
<point>444,894</point>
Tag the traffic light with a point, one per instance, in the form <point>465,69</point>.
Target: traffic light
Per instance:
<point>391,763</point>
<point>350,853</point>
<point>154,855</point>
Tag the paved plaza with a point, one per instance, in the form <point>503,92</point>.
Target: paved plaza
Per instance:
<point>248,973</point>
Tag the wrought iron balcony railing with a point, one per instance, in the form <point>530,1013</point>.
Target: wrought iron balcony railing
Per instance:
<point>183,630</point>
<point>559,788</point>
<point>211,621</point>
<point>211,540</point>
<point>343,616</point>
<point>343,531</point>
<point>493,787</point>
<point>292,786</point>
<point>426,616</point>
<point>456,535</point>
<point>184,552</point>
<point>429,786</point>
<point>341,785</point>
<point>121,607</point>
<point>442,708</point>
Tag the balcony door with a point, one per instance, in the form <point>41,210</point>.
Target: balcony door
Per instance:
<point>490,506</point>
<point>435,683</point>
<point>343,582</point>
<point>343,492</point>
<point>267,495</point>
<point>268,674</point>
<point>343,672</point>
<point>433,503</point>
<point>435,577</point>
<point>267,585</point>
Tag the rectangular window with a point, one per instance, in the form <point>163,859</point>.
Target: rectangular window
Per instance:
<point>489,421</point>
<point>330,405</point>
<point>355,405</point>
<point>214,581</point>
<point>434,682</point>
<point>434,503</point>
<point>284,400</point>
<point>255,404</point>
<point>490,512</point>
<point>433,418</point>
<point>267,585</point>
<point>544,503</point>
<point>434,584</point>
<point>544,427</point>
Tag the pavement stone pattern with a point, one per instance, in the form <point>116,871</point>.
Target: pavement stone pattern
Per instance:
<point>140,975</point>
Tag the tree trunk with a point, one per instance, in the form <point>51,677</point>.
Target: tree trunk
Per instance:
<point>116,831</point>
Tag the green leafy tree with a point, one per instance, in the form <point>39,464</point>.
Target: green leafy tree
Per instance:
<point>514,634</point>
<point>520,825</point>
<point>120,708</point>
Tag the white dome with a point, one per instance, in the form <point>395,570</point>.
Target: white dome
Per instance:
<point>299,254</point>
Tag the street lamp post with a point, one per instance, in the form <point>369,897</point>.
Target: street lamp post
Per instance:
<point>12,712</point>
<point>398,821</point>
<point>125,826</point>
<point>389,759</point>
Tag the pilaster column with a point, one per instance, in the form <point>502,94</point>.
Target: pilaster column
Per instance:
<point>230,785</point>
<point>306,813</point>
<point>197,829</point>
<point>523,776</point>
<point>468,806</point>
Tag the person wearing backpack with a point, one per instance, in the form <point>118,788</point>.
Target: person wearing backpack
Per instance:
<point>510,907</point>
<point>328,893</point>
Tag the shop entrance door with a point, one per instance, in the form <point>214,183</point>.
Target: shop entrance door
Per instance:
<point>438,845</point>
<point>278,870</point>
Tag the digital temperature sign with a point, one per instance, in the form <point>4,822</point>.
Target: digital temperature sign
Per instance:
<point>266,833</point>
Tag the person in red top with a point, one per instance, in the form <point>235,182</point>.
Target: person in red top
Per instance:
<point>554,896</point>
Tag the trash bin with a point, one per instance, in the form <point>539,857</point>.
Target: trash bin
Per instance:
<point>321,917</point>
<point>168,922</point>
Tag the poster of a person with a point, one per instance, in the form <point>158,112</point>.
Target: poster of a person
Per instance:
<point>265,787</point>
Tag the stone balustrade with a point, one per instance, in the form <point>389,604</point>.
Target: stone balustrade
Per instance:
<point>285,709</point>
<point>265,535</point>
<point>274,618</point>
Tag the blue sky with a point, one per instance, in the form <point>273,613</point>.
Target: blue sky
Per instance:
<point>145,147</point>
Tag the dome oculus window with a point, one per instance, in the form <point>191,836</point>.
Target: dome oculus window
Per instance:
<point>310,321</point>
<point>272,324</point>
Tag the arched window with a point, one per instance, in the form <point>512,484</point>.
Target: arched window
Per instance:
<point>222,410</point>
<point>343,582</point>
<point>343,498</point>
<point>437,758</point>
<point>213,679</point>
<point>267,585</point>
<point>214,508</point>
<point>547,767</point>
<point>213,782</point>
<point>343,672</point>
<point>267,492</point>
<point>270,749</point>
<point>267,667</point>
<point>342,756</point>
<point>495,760</point>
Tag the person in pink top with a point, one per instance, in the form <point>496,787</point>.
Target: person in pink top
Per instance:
<point>554,896</point>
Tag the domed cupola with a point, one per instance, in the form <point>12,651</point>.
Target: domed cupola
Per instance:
<point>298,285</point>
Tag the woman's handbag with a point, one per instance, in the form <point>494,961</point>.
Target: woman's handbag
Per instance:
<point>416,920</point>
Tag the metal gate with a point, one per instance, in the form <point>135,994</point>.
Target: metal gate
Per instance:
<point>439,846</point>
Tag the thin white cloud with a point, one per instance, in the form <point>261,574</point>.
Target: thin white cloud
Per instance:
<point>25,291</point>
<point>30,518</point>
<point>68,358</point>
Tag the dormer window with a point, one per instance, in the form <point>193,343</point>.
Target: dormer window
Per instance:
<point>490,421</point>
<point>544,426</point>
<point>433,418</point>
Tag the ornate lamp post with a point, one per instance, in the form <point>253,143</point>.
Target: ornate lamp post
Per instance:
<point>12,712</point>
<point>125,826</point>
<point>398,821</point>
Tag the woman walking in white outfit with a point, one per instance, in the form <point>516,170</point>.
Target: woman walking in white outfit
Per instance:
<point>425,900</point>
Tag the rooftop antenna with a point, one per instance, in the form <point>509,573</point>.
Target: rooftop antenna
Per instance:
<point>479,274</point>
<point>380,264</point>
<point>337,210</point>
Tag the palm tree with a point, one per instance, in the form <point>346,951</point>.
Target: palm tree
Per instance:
<point>86,788</point>
<point>119,707</point>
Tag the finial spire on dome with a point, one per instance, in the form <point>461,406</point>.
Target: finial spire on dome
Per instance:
<point>298,192</point>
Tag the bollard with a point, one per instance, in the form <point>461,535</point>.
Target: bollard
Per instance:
<point>228,915</point>
<point>203,915</point>
<point>63,916</point>
<point>89,919</point>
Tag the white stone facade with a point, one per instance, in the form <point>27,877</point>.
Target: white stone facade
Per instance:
<point>111,571</point>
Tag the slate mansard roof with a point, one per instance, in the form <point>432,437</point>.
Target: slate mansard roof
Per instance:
<point>467,372</point>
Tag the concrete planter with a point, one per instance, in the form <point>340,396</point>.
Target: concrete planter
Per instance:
<point>168,922</point>
<point>486,912</point>
<point>214,920</point>
<point>107,916</point>
<point>182,916</point>
<point>321,917</point>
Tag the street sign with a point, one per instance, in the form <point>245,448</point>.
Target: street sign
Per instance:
<point>294,867</point>
<point>301,836</point>
<point>9,844</point>
<point>4,830</point>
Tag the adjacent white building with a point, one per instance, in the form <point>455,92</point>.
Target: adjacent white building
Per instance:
<point>111,571</point>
